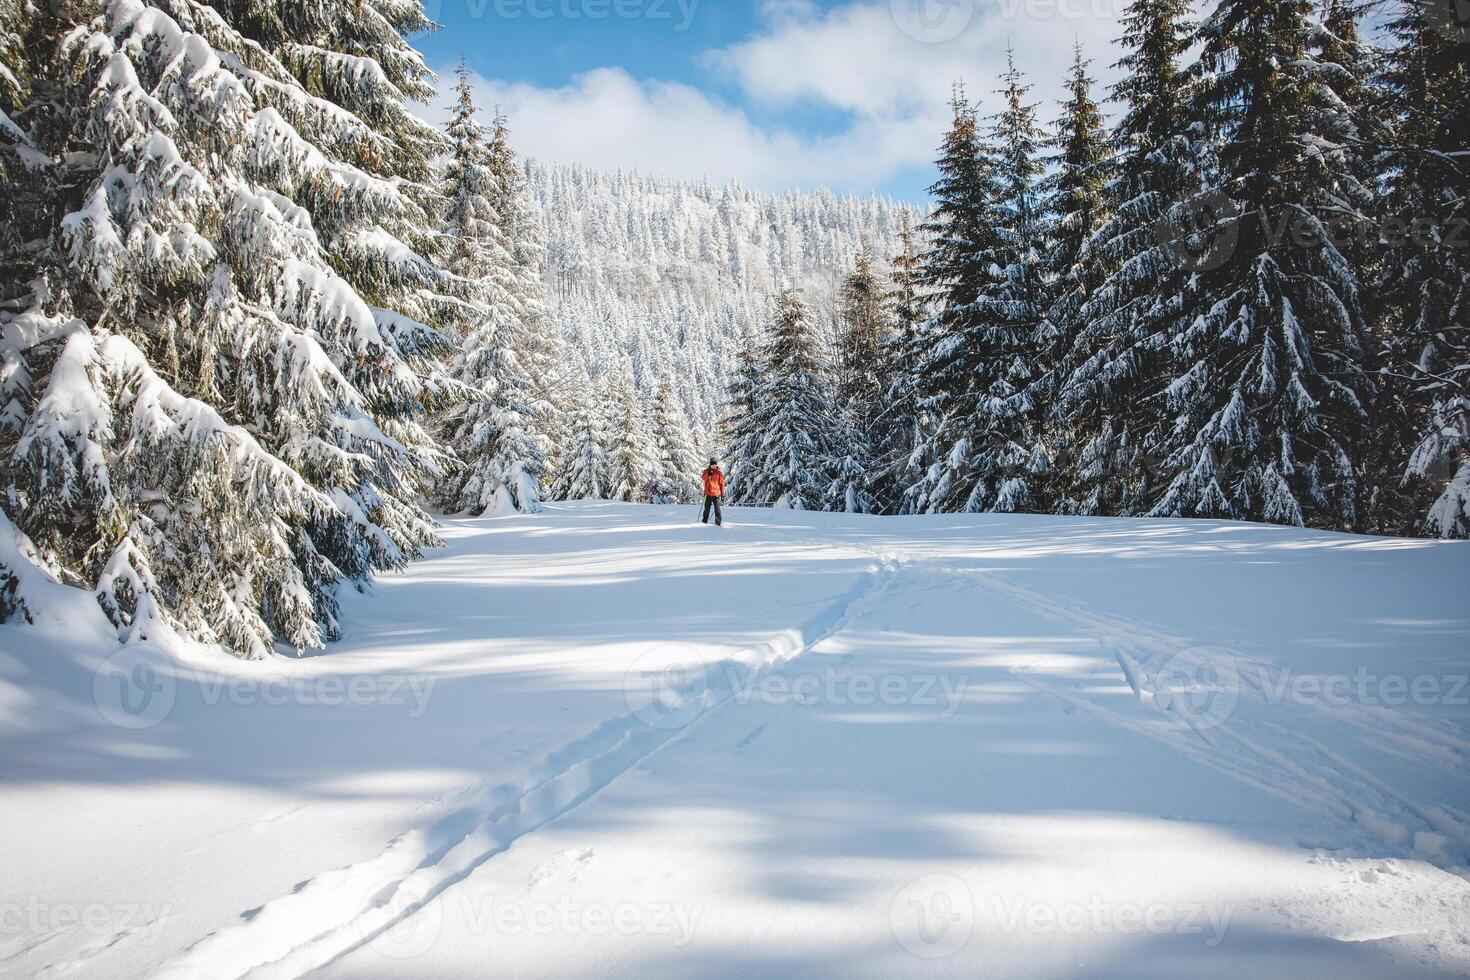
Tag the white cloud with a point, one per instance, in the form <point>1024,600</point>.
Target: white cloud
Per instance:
<point>864,61</point>
<point>607,119</point>
<point>869,59</point>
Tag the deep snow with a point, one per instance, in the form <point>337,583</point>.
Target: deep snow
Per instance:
<point>609,741</point>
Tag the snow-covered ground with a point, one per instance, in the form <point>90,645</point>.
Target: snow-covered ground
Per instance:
<point>607,741</point>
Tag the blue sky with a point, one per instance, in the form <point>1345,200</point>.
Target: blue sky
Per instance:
<point>780,93</point>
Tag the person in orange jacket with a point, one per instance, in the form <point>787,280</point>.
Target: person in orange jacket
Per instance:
<point>714,489</point>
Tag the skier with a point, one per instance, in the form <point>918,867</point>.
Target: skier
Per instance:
<point>714,489</point>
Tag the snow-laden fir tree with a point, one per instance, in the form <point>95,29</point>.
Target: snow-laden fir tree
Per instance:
<point>539,347</point>
<point>989,451</point>
<point>677,473</point>
<point>1267,388</point>
<point>1109,402</point>
<point>581,462</point>
<point>957,271</point>
<point>23,172</point>
<point>792,424</point>
<point>1425,222</point>
<point>899,422</point>
<point>863,329</point>
<point>1076,208</point>
<point>500,461</point>
<point>739,433</point>
<point>215,404</point>
<point>1016,461</point>
<point>1352,63</point>
<point>632,462</point>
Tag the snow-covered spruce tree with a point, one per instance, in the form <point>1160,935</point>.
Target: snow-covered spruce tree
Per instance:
<point>539,347</point>
<point>1076,208</point>
<point>989,451</point>
<point>500,462</point>
<point>678,464</point>
<point>898,424</point>
<point>1108,403</point>
<point>1352,65</point>
<point>1267,389</point>
<point>957,271</point>
<point>215,403</point>
<point>793,421</point>
<point>24,173</point>
<point>739,434</point>
<point>1425,223</point>
<point>24,177</point>
<point>582,463</point>
<point>863,327</point>
<point>632,463</point>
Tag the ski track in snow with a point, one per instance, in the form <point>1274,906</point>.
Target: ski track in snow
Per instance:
<point>1296,768</point>
<point>1260,742</point>
<point>1283,762</point>
<point>339,911</point>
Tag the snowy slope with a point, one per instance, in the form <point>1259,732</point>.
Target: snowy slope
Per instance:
<point>607,741</point>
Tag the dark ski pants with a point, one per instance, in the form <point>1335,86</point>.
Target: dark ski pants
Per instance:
<point>715,502</point>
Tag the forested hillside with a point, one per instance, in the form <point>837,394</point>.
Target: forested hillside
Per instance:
<point>656,278</point>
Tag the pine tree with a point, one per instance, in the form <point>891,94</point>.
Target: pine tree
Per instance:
<point>678,465</point>
<point>1423,422</point>
<point>739,433</point>
<point>539,347</point>
<point>500,462</point>
<point>863,328</point>
<point>632,463</point>
<point>582,464</point>
<point>988,449</point>
<point>25,175</point>
<point>1267,388</point>
<point>957,270</point>
<point>792,422</point>
<point>1108,402</point>
<point>897,427</point>
<point>216,401</point>
<point>1076,210</point>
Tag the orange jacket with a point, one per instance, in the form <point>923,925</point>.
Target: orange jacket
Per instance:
<point>714,482</point>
